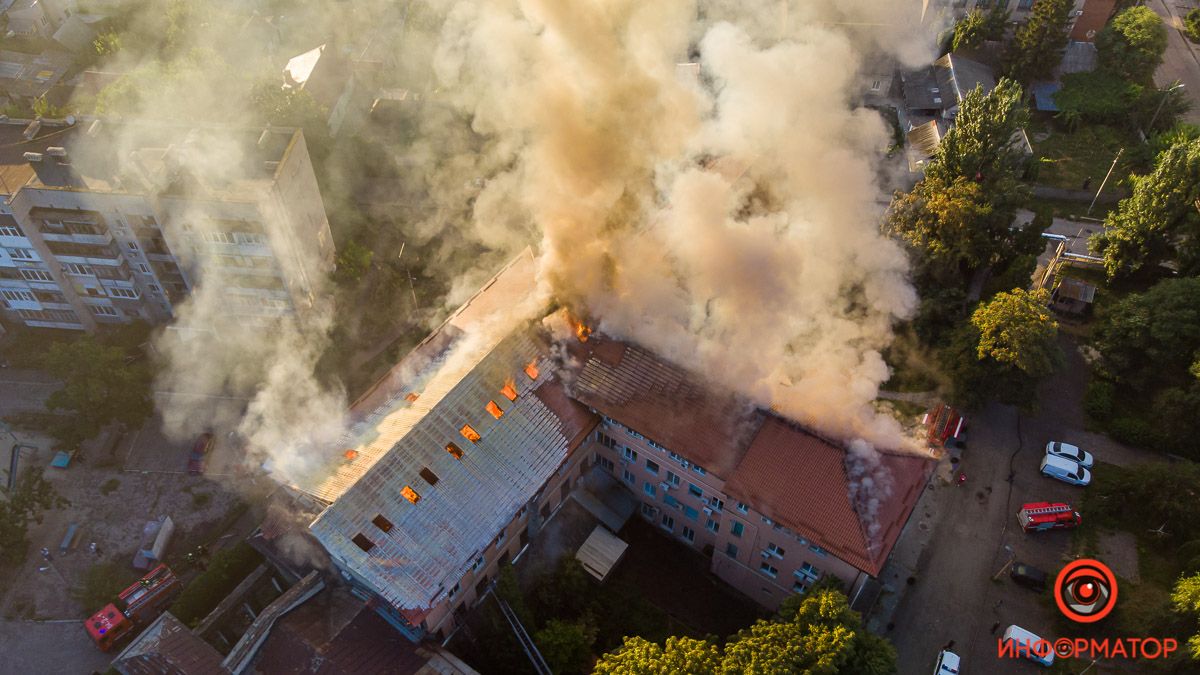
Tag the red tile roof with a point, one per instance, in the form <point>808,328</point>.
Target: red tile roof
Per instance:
<point>799,480</point>
<point>1095,14</point>
<point>793,476</point>
<point>664,402</point>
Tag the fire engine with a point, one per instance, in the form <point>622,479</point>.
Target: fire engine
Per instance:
<point>945,427</point>
<point>1040,516</point>
<point>137,605</point>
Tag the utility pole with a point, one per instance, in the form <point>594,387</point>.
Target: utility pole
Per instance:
<point>411,287</point>
<point>1166,95</point>
<point>1102,183</point>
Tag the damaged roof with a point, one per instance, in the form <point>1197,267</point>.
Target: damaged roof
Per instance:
<point>168,647</point>
<point>801,481</point>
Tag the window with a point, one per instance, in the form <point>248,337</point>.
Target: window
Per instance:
<point>429,476</point>
<point>143,268</point>
<point>410,494</point>
<point>676,456</point>
<point>742,508</point>
<point>478,563</point>
<point>818,550</point>
<point>649,488</point>
<point>500,537</point>
<point>737,529</point>
<point>606,440</point>
<point>766,569</point>
<point>731,550</point>
<point>669,500</point>
<point>689,533</point>
<point>36,275</point>
<point>122,293</point>
<point>799,587</point>
<point>382,523</point>
<point>691,513</point>
<point>103,310</point>
<point>699,469</point>
<point>362,542</point>
<point>695,491</point>
<point>20,253</point>
<point>668,523</point>
<point>469,433</point>
<point>11,231</point>
<point>509,391</point>
<point>648,510</point>
<point>630,454</point>
<point>767,521</point>
<point>652,467</point>
<point>531,370</point>
<point>774,550</point>
<point>154,288</point>
<point>1025,4</point>
<point>672,478</point>
<point>453,591</point>
<point>453,449</point>
<point>18,296</point>
<point>628,477</point>
<point>606,463</point>
<point>808,573</point>
<point>132,246</point>
<point>495,410</point>
<point>716,504</point>
<point>72,268</point>
<point>712,525</point>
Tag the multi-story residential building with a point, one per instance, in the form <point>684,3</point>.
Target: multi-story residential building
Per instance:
<point>461,454</point>
<point>106,222</point>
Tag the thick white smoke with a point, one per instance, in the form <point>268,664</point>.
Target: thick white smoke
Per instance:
<point>728,222</point>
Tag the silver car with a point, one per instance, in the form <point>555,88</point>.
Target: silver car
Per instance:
<point>1071,452</point>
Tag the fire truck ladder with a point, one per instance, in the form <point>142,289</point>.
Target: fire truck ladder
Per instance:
<point>531,650</point>
<point>1061,508</point>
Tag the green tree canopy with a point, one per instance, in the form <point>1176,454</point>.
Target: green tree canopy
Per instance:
<point>1133,44</point>
<point>1153,337</point>
<point>1038,45</point>
<point>1098,97</point>
<point>813,634</point>
<point>980,146</point>
<point>566,646</point>
<point>100,386</point>
<point>1159,222</point>
<point>33,495</point>
<point>1016,329</point>
<point>1186,600</point>
<point>976,27</point>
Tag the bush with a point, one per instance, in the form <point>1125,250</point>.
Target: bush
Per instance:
<point>1191,25</point>
<point>227,569</point>
<point>1098,399</point>
<point>1132,431</point>
<point>101,584</point>
<point>1098,97</point>
<point>109,486</point>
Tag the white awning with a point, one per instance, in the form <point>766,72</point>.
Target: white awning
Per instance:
<point>601,552</point>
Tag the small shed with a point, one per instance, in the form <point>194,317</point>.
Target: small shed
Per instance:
<point>601,553</point>
<point>1073,296</point>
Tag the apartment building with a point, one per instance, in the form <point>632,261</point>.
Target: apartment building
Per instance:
<point>109,222</point>
<point>458,457</point>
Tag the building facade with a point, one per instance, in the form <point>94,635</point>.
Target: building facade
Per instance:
<point>458,458</point>
<point>119,222</point>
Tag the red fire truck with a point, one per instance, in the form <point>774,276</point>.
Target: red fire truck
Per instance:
<point>137,605</point>
<point>945,427</point>
<point>1039,516</point>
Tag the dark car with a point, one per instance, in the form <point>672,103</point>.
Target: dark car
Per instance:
<point>200,448</point>
<point>1028,576</point>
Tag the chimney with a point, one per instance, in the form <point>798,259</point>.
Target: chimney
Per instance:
<point>59,154</point>
<point>32,129</point>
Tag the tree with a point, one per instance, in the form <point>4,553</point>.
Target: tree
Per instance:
<point>1133,44</point>
<point>970,31</point>
<point>1191,24</point>
<point>292,107</point>
<point>1016,329</point>
<point>1159,222</point>
<point>107,44</point>
<point>676,655</point>
<point>950,226</point>
<point>1038,45</point>
<point>353,260</point>
<point>1151,338</point>
<point>32,495</point>
<point>566,646</point>
<point>813,633</point>
<point>100,386</point>
<point>1186,600</point>
<point>1098,96</point>
<point>980,147</point>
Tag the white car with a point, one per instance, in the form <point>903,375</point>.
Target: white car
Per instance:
<point>947,663</point>
<point>1071,452</point>
<point>1065,470</point>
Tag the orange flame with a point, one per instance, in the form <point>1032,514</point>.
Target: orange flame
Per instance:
<point>509,390</point>
<point>412,396</point>
<point>531,370</point>
<point>581,329</point>
<point>350,454</point>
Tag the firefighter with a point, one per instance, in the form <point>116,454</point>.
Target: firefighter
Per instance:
<point>962,478</point>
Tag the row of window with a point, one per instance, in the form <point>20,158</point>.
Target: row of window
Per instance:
<point>11,231</point>
<point>18,296</point>
<point>54,315</point>
<point>21,254</point>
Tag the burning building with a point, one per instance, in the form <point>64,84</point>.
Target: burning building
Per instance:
<point>440,489</point>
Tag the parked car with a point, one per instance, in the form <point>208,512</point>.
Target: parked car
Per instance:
<point>1028,576</point>
<point>1028,644</point>
<point>200,448</point>
<point>947,663</point>
<point>1065,470</point>
<point>1071,452</point>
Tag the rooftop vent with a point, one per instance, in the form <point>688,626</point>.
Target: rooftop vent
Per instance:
<point>454,450</point>
<point>382,523</point>
<point>429,476</point>
<point>56,151</point>
<point>33,156</point>
<point>32,130</point>
<point>365,544</point>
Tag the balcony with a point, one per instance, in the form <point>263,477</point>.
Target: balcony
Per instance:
<point>86,239</point>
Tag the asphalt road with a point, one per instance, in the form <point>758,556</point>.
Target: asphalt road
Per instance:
<point>1180,63</point>
<point>49,648</point>
<point>953,596</point>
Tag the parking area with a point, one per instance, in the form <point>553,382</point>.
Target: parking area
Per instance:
<point>959,591</point>
<point>152,449</point>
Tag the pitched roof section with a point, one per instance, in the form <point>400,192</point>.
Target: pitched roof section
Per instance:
<point>431,542</point>
<point>799,480</point>
<point>665,403</point>
<point>960,75</point>
<point>411,389</point>
<point>167,646</point>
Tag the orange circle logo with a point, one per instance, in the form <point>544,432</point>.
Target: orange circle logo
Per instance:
<point>1085,590</point>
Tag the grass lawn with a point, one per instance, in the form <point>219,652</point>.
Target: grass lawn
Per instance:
<point>1066,160</point>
